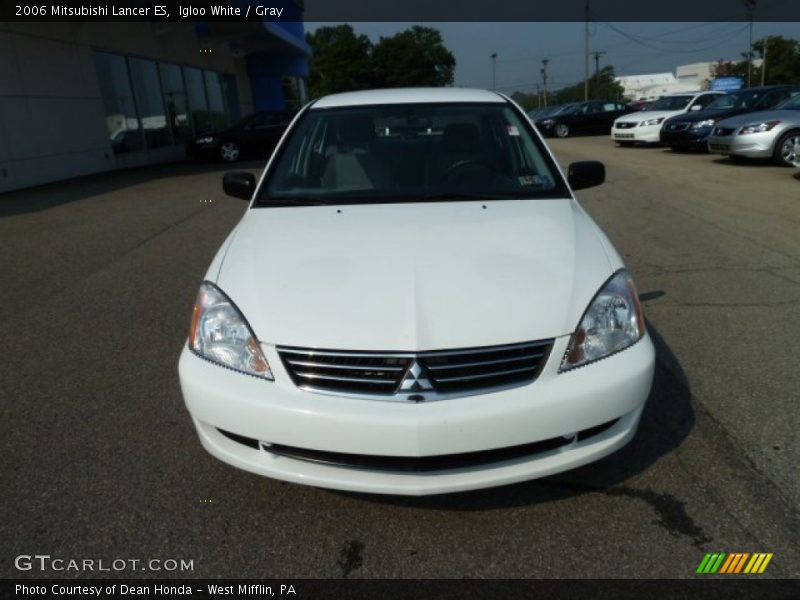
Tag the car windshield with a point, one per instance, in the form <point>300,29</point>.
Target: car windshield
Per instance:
<point>411,152</point>
<point>792,103</point>
<point>671,103</point>
<point>742,100</point>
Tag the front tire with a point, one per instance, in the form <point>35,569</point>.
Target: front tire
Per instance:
<point>785,153</point>
<point>561,130</point>
<point>229,152</point>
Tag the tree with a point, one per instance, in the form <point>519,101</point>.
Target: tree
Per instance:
<point>414,57</point>
<point>600,88</point>
<point>783,60</point>
<point>340,60</point>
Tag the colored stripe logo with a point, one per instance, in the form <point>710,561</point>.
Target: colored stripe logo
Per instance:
<point>734,563</point>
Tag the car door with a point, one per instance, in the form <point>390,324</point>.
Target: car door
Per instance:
<point>604,115</point>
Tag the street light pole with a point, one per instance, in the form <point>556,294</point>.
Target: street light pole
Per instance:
<point>544,78</point>
<point>494,70</point>
<point>750,5</point>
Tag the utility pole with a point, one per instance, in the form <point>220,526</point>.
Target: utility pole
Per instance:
<point>597,54</point>
<point>750,5</point>
<point>494,70</point>
<point>765,43</point>
<point>538,97</point>
<point>586,56</point>
<point>544,78</point>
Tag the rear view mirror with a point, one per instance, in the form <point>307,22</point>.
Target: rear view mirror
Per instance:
<point>586,174</point>
<point>239,184</point>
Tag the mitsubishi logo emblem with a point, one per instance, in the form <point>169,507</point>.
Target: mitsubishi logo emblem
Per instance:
<point>416,380</point>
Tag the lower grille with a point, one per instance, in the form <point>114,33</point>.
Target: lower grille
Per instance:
<point>440,462</point>
<point>719,147</point>
<point>623,136</point>
<point>415,376</point>
<point>676,127</point>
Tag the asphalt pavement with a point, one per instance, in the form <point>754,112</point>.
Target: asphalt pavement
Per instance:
<point>100,459</point>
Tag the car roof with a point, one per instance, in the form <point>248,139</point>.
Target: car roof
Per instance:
<point>408,96</point>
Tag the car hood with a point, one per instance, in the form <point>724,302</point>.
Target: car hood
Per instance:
<point>415,276</point>
<point>762,115</point>
<point>646,115</point>
<point>704,115</point>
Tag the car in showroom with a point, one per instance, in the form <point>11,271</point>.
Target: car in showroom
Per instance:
<point>645,126</point>
<point>415,303</point>
<point>583,118</point>
<point>771,134</point>
<point>692,130</point>
<point>254,136</point>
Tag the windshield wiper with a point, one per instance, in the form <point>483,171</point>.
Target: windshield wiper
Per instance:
<point>298,201</point>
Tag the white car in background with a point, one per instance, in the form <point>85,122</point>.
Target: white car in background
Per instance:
<point>415,303</point>
<point>645,126</point>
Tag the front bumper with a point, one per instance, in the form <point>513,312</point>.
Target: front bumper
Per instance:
<point>554,405</point>
<point>645,135</point>
<point>752,145</point>
<point>686,138</point>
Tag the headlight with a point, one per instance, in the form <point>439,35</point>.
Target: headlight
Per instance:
<point>650,122</point>
<point>758,127</point>
<point>219,333</point>
<point>706,123</point>
<point>613,321</point>
<point>204,140</point>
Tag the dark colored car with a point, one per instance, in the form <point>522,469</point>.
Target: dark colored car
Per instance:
<point>255,136</point>
<point>691,130</point>
<point>593,117</point>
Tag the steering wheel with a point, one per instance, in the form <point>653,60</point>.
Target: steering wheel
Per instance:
<point>463,165</point>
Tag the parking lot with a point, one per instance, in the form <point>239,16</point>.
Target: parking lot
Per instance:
<point>101,459</point>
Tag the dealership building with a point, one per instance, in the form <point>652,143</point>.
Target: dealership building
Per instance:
<point>81,98</point>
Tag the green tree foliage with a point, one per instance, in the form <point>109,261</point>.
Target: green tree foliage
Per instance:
<point>783,62</point>
<point>342,61</point>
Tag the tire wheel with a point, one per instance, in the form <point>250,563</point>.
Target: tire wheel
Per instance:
<point>561,130</point>
<point>625,144</point>
<point>786,150</point>
<point>229,152</point>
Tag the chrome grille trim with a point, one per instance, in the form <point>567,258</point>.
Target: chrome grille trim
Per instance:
<point>428,375</point>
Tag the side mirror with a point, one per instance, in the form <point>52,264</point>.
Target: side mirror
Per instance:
<point>239,184</point>
<point>696,107</point>
<point>586,174</point>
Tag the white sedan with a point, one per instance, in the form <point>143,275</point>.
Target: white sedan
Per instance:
<point>645,126</point>
<point>415,303</point>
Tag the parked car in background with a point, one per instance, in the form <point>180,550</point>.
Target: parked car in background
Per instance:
<point>355,333</point>
<point>771,134</point>
<point>692,130</point>
<point>641,104</point>
<point>594,117</point>
<point>644,126</point>
<point>254,136</point>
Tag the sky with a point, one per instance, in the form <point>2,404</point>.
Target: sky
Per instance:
<point>632,48</point>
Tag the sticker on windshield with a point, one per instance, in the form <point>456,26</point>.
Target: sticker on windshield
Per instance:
<point>512,130</point>
<point>531,180</point>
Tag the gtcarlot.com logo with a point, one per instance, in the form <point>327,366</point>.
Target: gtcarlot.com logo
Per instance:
<point>45,562</point>
<point>734,563</point>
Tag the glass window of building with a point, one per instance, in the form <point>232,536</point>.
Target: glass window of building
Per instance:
<point>231,98</point>
<point>176,101</point>
<point>216,100</point>
<point>147,89</point>
<point>196,90</point>
<point>115,87</point>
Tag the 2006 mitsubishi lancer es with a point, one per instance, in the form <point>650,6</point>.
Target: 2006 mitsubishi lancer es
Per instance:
<point>415,303</point>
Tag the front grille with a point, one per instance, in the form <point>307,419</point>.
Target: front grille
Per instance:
<point>415,376</point>
<point>439,462</point>
<point>676,126</point>
<point>723,131</point>
<point>625,125</point>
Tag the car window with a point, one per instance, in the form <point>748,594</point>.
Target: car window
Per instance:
<point>671,103</point>
<point>793,103</point>
<point>774,99</point>
<point>741,100</point>
<point>609,107</point>
<point>705,100</point>
<point>408,152</point>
